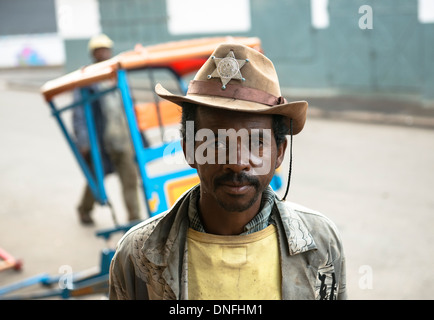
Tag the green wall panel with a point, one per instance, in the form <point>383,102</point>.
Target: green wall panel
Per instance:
<point>396,55</point>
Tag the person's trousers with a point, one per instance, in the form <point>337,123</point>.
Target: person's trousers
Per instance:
<point>126,169</point>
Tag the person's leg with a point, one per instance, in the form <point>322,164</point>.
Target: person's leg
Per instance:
<point>86,206</point>
<point>127,171</point>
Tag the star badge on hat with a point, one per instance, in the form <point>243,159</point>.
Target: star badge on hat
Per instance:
<point>228,68</point>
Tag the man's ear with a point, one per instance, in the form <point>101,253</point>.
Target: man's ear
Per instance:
<point>281,153</point>
<point>188,154</point>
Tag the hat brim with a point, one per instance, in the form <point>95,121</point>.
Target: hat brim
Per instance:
<point>292,110</point>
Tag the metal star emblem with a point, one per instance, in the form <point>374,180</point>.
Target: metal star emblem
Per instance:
<point>228,68</point>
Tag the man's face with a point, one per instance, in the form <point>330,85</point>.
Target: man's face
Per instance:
<point>101,54</point>
<point>238,182</point>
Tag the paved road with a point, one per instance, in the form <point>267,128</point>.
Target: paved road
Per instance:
<point>375,181</point>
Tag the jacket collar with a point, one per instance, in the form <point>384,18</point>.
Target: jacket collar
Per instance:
<point>167,239</point>
<point>170,233</point>
<point>296,232</point>
<point>165,246</point>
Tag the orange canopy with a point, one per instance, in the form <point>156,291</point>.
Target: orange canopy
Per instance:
<point>192,52</point>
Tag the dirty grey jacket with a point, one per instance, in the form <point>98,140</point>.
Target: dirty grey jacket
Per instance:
<point>109,119</point>
<point>151,259</point>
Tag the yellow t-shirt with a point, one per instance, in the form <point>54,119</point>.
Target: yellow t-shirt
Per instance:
<point>243,267</point>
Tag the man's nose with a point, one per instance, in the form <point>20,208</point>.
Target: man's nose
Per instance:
<point>238,159</point>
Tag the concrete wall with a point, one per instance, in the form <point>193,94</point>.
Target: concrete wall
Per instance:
<point>27,17</point>
<point>396,55</point>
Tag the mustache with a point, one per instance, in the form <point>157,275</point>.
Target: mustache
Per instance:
<point>236,178</point>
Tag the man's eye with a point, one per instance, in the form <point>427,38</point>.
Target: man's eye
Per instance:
<point>219,144</point>
<point>257,143</point>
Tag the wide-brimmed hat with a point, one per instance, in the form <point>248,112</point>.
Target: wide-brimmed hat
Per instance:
<point>239,78</point>
<point>100,41</point>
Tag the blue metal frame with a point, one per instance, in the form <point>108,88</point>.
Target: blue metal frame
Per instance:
<point>134,130</point>
<point>95,181</point>
<point>144,156</point>
<point>85,282</point>
<point>95,148</point>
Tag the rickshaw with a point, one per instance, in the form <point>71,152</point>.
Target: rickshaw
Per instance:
<point>178,59</point>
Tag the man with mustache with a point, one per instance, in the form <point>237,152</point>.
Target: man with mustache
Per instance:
<point>231,237</point>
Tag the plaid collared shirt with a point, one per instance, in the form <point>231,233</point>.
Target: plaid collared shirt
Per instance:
<point>262,220</point>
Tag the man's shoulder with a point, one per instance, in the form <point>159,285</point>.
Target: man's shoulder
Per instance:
<point>307,212</point>
<point>316,222</point>
<point>140,232</point>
